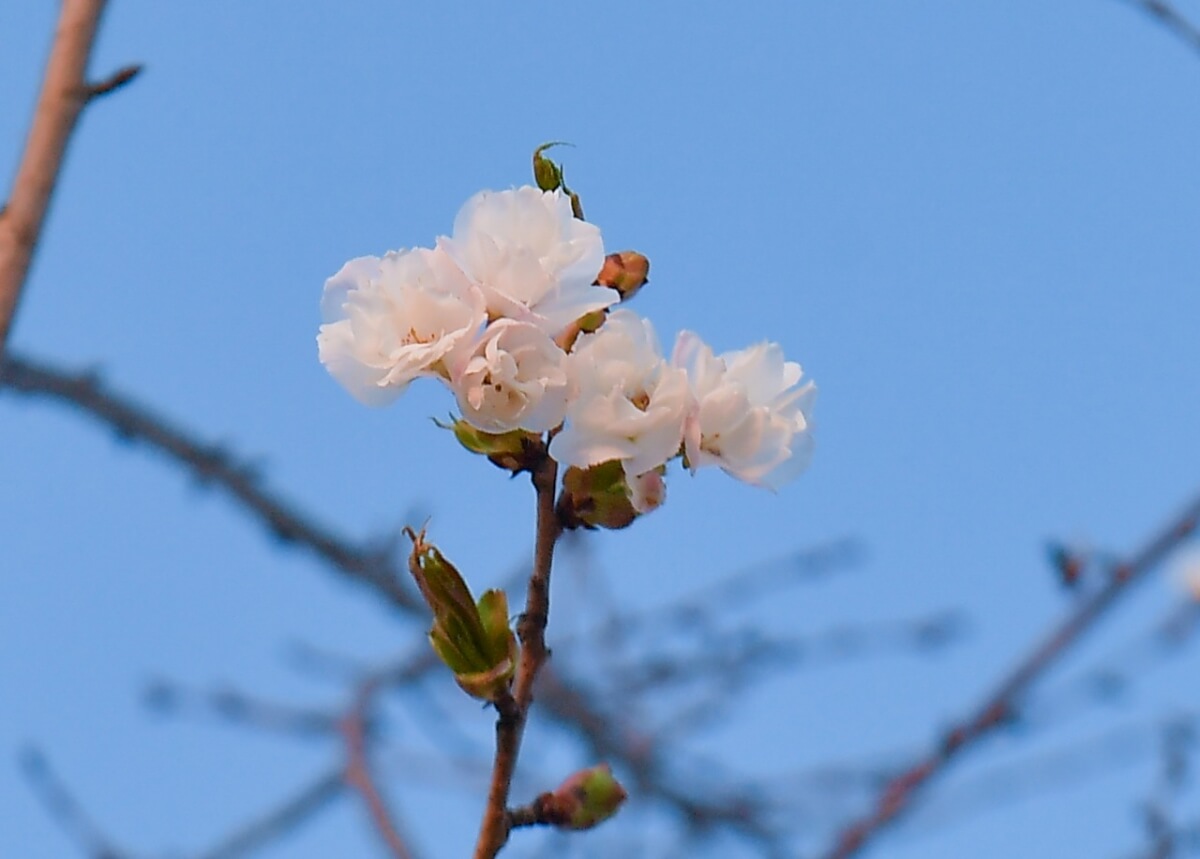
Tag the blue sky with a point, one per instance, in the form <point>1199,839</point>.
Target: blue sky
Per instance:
<point>974,224</point>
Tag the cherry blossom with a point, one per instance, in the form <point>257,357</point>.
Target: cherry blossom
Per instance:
<point>391,320</point>
<point>514,379</point>
<point>531,258</point>
<point>750,412</point>
<point>629,403</point>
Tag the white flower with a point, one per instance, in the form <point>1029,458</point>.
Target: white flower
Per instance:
<point>390,320</point>
<point>514,379</point>
<point>629,403</point>
<point>533,261</point>
<point>751,414</point>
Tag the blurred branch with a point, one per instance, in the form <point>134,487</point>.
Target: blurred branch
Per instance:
<point>64,808</point>
<point>294,811</point>
<point>210,464</point>
<point>1038,774</point>
<point>1110,677</point>
<point>999,707</point>
<point>612,737</point>
<point>65,92</point>
<point>607,731</point>
<point>238,708</point>
<point>1172,19</point>
<point>737,654</point>
<point>355,731</point>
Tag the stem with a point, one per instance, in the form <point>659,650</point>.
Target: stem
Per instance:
<point>531,629</point>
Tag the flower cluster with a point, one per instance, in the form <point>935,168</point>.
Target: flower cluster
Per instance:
<point>514,313</point>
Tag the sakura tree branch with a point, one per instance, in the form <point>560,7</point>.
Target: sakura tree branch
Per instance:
<point>233,706</point>
<point>295,810</point>
<point>210,464</point>
<point>566,704</point>
<point>738,807</point>
<point>531,629</point>
<point>65,92</point>
<point>999,708</point>
<point>358,774</point>
<point>64,808</point>
<point>1172,19</point>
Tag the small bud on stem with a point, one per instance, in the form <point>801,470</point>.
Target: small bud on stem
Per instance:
<point>472,638</point>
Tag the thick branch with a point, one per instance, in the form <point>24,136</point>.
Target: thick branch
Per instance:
<point>531,629</point>
<point>1000,706</point>
<point>65,92</point>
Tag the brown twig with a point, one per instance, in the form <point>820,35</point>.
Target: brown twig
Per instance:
<point>531,628</point>
<point>113,82</point>
<point>1000,706</point>
<point>65,92</point>
<point>211,464</point>
<point>1172,19</point>
<point>358,775</point>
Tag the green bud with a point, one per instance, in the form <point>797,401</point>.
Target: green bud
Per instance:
<point>596,497</point>
<point>515,451</point>
<point>546,174</point>
<point>472,638</point>
<point>549,176</point>
<point>585,799</point>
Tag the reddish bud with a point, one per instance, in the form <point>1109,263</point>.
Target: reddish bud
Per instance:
<point>626,272</point>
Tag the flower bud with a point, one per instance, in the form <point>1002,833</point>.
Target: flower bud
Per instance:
<point>472,638</point>
<point>515,451</point>
<point>626,272</point>
<point>602,496</point>
<point>546,174</point>
<point>549,177</point>
<point>585,799</point>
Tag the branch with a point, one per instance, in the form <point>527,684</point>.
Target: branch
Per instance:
<point>1172,19</point>
<point>65,92</point>
<point>235,707</point>
<point>613,737</point>
<point>531,628</point>
<point>294,811</point>
<point>358,775</point>
<point>210,464</point>
<point>1000,706</point>
<point>609,735</point>
<point>64,808</point>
